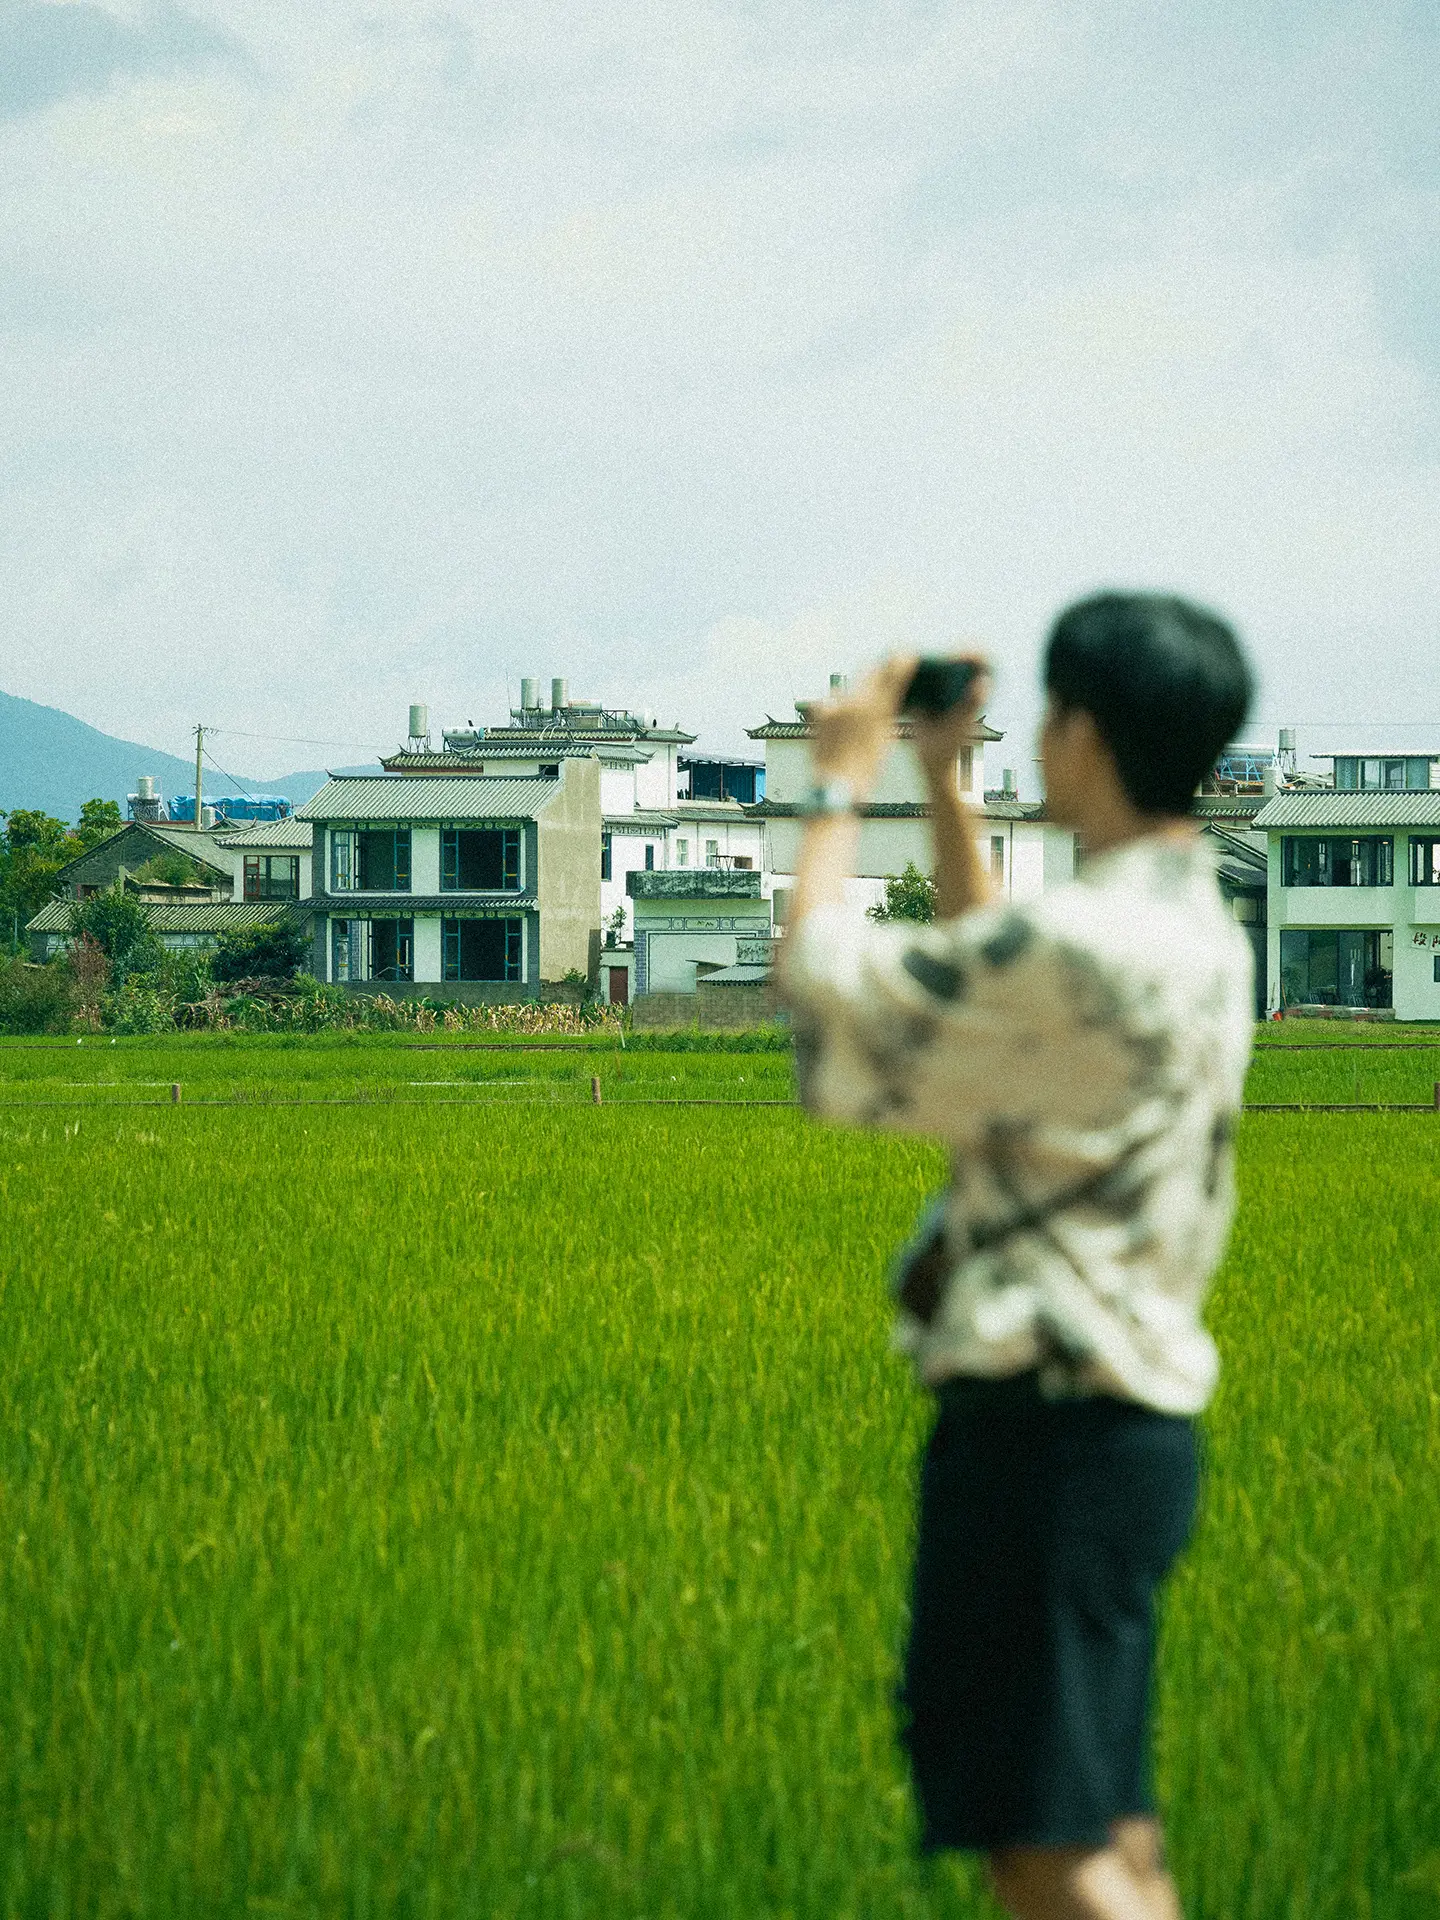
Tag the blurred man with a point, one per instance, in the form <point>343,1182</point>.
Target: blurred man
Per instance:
<point>1082,1058</point>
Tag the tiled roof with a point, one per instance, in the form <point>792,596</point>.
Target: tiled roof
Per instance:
<point>801,730</point>
<point>1326,808</point>
<point>198,846</point>
<point>282,836</point>
<point>642,820</point>
<point>474,760</point>
<point>736,810</point>
<point>212,916</point>
<point>429,797</point>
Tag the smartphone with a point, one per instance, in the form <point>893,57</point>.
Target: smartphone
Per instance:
<point>938,685</point>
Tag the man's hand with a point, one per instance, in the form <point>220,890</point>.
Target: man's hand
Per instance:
<point>854,730</point>
<point>940,738</point>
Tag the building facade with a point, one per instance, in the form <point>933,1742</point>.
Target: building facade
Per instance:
<point>1354,899</point>
<point>488,888</point>
<point>695,923</point>
<point>1023,853</point>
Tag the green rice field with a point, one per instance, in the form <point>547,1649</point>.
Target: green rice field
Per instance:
<point>423,1492</point>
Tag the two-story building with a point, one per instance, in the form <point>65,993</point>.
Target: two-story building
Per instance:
<point>1354,897</point>
<point>485,887</point>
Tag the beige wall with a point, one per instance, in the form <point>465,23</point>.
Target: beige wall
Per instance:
<point>569,876</point>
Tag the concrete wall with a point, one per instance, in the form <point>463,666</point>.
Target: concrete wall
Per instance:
<point>717,1009</point>
<point>569,872</point>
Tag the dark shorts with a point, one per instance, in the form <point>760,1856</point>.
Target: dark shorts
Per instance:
<point>1046,1528</point>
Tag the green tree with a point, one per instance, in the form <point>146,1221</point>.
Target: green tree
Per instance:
<point>34,848</point>
<point>275,950</point>
<point>908,896</point>
<point>120,927</point>
<point>98,820</point>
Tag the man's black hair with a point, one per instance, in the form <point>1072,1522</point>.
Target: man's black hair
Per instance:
<point>1165,682</point>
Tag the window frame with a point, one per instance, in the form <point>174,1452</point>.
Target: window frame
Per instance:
<point>266,891</point>
<point>1381,858</point>
<point>451,938</point>
<point>346,851</point>
<point>1424,852</point>
<point>512,842</point>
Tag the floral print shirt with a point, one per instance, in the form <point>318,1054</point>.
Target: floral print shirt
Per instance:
<point>1082,1058</point>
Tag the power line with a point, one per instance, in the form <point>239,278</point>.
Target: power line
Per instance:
<point>297,740</point>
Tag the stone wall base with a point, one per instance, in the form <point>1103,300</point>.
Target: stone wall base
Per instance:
<point>712,1009</point>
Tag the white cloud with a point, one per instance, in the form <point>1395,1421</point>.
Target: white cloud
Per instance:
<point>694,351</point>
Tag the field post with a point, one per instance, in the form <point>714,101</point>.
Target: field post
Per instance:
<point>175,1093</point>
<point>595,1090</point>
<point>1437,1096</point>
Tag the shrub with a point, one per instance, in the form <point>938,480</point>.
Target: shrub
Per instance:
<point>274,950</point>
<point>35,999</point>
<point>139,1007</point>
<point>120,927</point>
<point>908,896</point>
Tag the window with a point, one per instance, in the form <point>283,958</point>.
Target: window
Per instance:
<point>742,863</point>
<point>272,876</point>
<point>649,857</point>
<point>480,859</point>
<point>550,772</point>
<point>712,853</point>
<point>488,950</point>
<point>372,950</point>
<point>997,856</point>
<point>1425,863</point>
<point>1396,774</point>
<point>605,857</point>
<point>344,936</point>
<point>1349,967</point>
<point>391,954</point>
<point>682,852</point>
<point>370,860</point>
<point>1435,968</point>
<point>1338,863</point>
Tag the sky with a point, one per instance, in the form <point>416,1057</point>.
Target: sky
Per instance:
<point>362,352</point>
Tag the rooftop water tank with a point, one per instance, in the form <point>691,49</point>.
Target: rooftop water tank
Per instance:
<point>145,787</point>
<point>529,698</point>
<point>559,695</point>
<point>419,722</point>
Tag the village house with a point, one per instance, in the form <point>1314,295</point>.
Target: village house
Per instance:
<point>481,887</point>
<point>1354,889</point>
<point>184,879</point>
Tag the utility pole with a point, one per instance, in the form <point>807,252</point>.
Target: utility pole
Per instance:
<point>199,749</point>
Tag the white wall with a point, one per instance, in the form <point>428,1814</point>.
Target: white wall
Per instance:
<point>790,776</point>
<point>429,958</point>
<point>425,860</point>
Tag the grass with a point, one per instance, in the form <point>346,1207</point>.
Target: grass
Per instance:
<point>505,1511</point>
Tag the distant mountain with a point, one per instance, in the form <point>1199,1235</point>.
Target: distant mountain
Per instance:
<point>52,761</point>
